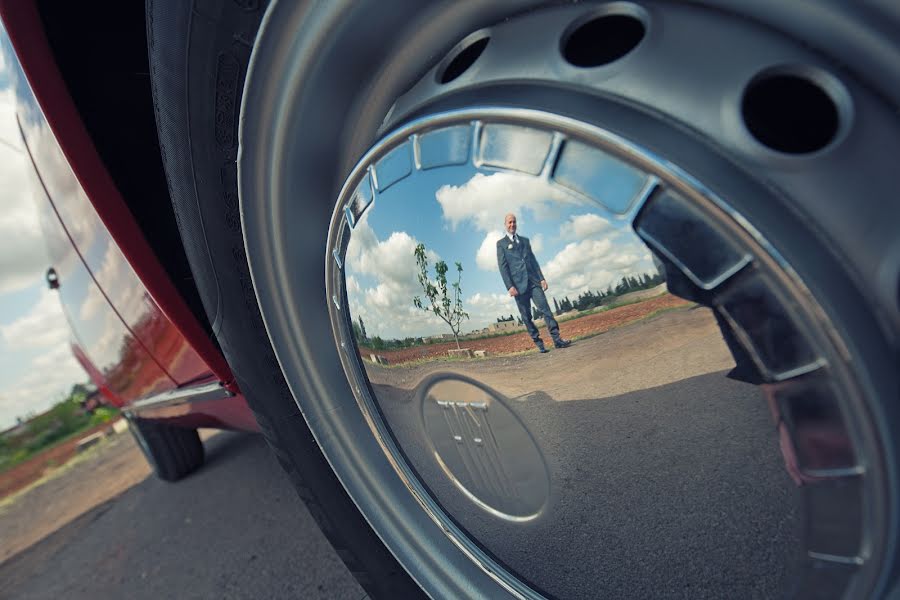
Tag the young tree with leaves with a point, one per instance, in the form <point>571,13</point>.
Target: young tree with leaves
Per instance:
<point>443,301</point>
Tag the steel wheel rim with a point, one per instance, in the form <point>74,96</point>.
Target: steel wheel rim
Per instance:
<point>261,272</point>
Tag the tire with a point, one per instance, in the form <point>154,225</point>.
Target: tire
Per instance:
<point>173,452</point>
<point>198,61</point>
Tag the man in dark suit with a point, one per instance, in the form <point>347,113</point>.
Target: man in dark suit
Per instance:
<point>525,282</point>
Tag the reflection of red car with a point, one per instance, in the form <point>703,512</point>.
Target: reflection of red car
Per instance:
<point>132,330</point>
<point>177,149</point>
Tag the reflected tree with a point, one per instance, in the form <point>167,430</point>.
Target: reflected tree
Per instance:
<point>442,300</point>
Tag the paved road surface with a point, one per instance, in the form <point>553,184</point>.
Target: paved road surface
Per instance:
<point>235,529</point>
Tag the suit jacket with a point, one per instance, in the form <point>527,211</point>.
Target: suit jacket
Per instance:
<point>517,264</point>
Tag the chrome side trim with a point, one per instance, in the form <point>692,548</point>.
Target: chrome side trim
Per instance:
<point>179,396</point>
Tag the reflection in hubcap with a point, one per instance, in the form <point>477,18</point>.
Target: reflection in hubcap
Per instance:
<point>484,448</point>
<point>643,457</point>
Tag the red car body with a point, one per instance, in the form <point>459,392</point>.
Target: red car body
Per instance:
<point>132,331</point>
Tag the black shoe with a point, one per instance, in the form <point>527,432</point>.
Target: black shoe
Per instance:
<point>540,347</point>
<point>561,343</point>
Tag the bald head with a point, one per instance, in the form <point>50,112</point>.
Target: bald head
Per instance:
<point>510,222</point>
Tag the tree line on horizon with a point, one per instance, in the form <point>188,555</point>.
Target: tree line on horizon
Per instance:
<point>591,299</point>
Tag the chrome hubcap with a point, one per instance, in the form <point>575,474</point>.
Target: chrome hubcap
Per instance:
<point>629,464</point>
<point>698,432</point>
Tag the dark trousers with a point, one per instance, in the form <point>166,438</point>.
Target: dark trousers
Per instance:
<point>523,301</point>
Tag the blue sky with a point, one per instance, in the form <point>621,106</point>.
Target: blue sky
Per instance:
<point>36,363</point>
<point>458,212</point>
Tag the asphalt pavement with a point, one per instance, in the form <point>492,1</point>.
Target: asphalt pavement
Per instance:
<point>234,529</point>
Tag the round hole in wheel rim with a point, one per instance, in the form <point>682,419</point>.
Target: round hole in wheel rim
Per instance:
<point>791,112</point>
<point>602,40</point>
<point>464,58</point>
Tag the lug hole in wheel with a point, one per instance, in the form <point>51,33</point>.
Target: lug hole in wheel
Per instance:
<point>790,113</point>
<point>465,57</point>
<point>602,40</point>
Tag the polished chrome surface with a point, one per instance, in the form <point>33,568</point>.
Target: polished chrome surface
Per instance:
<point>698,433</point>
<point>178,396</point>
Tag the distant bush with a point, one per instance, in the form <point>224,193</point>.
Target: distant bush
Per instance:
<point>62,421</point>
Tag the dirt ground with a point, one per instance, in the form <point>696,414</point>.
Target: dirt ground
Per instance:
<point>646,353</point>
<point>98,474</point>
<point>520,342</point>
<point>26,473</point>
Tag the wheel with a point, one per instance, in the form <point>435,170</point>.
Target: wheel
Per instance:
<point>734,436</point>
<point>173,452</point>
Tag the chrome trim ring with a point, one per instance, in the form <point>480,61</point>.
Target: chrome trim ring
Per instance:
<point>179,396</point>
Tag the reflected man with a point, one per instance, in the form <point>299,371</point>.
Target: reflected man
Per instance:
<point>525,282</point>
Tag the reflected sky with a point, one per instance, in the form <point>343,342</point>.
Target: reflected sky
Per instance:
<point>457,212</point>
<point>36,363</point>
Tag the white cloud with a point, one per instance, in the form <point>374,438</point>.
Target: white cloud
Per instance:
<point>43,331</point>
<point>486,257</point>
<point>595,265</point>
<point>115,275</point>
<point>23,257</point>
<point>584,226</point>
<point>486,199</point>
<point>485,308</point>
<point>45,383</point>
<point>386,306</point>
<point>44,326</point>
<point>577,256</point>
<point>352,284</point>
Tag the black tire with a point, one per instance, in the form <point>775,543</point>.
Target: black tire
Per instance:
<point>173,452</point>
<point>198,60</point>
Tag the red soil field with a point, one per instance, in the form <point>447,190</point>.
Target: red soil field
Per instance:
<point>31,470</point>
<point>520,342</point>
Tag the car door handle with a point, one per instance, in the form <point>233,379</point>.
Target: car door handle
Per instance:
<point>52,279</point>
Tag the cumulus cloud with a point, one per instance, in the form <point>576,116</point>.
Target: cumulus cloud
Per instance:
<point>116,276</point>
<point>386,304</point>
<point>52,375</point>
<point>584,226</point>
<point>485,308</point>
<point>42,331</point>
<point>44,326</point>
<point>23,257</point>
<point>486,257</point>
<point>486,199</point>
<point>595,265</point>
<point>352,284</point>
